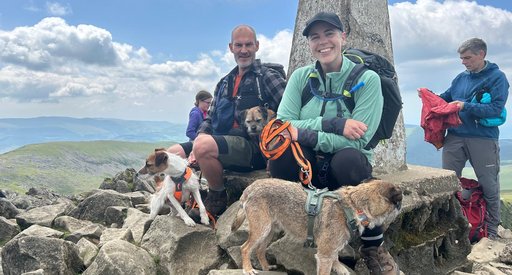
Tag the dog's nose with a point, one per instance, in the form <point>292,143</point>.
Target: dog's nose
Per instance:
<point>398,205</point>
<point>396,197</point>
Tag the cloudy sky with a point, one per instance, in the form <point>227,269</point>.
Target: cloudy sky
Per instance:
<point>145,60</point>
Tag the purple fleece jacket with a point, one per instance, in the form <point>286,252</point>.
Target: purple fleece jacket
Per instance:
<point>195,118</point>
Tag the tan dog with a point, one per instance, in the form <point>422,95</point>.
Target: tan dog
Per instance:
<point>178,178</point>
<point>254,119</point>
<point>269,202</point>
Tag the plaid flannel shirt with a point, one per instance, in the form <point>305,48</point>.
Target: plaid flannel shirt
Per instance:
<point>272,88</point>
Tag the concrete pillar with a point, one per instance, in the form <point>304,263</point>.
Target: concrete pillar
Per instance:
<point>366,24</point>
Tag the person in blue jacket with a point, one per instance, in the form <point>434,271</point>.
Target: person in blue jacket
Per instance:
<point>198,113</point>
<point>472,140</point>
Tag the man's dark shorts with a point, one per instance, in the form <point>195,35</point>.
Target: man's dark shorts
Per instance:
<point>235,153</point>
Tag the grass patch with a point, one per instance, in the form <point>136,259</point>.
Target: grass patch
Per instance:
<point>506,195</point>
<point>505,176</point>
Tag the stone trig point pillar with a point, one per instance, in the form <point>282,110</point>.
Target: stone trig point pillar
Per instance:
<point>366,24</point>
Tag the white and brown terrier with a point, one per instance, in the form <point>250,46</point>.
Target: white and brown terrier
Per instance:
<point>179,182</point>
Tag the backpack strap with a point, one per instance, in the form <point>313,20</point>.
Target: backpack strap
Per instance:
<point>350,83</point>
<point>312,83</point>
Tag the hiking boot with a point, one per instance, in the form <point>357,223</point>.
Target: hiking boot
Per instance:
<point>215,203</point>
<point>493,237</point>
<point>379,261</point>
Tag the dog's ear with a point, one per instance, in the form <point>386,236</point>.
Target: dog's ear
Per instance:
<point>242,116</point>
<point>159,149</point>
<point>270,114</point>
<point>161,158</point>
<point>395,196</point>
<point>263,112</point>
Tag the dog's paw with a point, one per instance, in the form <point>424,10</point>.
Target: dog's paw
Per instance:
<point>272,267</point>
<point>251,272</point>
<point>188,221</point>
<point>205,220</point>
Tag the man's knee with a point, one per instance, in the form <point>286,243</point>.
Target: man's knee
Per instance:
<point>177,149</point>
<point>204,145</point>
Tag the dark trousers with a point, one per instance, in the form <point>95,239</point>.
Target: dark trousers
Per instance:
<point>346,167</point>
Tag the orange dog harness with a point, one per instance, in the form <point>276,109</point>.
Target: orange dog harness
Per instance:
<point>179,181</point>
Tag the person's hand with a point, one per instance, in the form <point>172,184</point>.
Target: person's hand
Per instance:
<point>291,134</point>
<point>354,129</point>
<point>459,104</point>
<point>192,159</point>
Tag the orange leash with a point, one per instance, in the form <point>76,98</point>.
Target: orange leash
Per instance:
<point>273,144</point>
<point>210,216</point>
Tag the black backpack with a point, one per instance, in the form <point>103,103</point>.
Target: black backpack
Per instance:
<point>275,66</point>
<point>366,60</point>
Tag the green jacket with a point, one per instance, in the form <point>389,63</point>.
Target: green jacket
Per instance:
<point>312,127</point>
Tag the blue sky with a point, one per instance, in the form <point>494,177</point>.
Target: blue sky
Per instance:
<point>145,60</point>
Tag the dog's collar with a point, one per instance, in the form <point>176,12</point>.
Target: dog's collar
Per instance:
<point>183,177</point>
<point>363,219</point>
<point>352,221</point>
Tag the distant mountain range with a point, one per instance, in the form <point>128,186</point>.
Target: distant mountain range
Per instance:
<point>71,155</point>
<point>17,132</point>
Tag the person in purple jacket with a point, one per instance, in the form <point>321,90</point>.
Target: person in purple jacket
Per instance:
<point>198,113</point>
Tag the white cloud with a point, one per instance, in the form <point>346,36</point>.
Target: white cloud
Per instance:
<point>53,60</point>
<point>56,9</point>
<point>52,43</point>
<point>430,29</point>
<point>276,49</point>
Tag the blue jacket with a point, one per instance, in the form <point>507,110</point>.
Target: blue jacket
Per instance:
<point>195,118</point>
<point>465,86</point>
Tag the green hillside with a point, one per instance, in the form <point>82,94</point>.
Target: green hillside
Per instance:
<point>75,167</point>
<point>70,167</point>
<point>505,176</point>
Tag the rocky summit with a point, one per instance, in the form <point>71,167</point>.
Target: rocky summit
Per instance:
<point>102,232</point>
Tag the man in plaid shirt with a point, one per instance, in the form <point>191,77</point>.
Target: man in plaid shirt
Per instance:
<point>221,143</point>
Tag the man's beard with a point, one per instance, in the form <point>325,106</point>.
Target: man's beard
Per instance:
<point>245,63</point>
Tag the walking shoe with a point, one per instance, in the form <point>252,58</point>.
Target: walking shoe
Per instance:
<point>215,203</point>
<point>492,237</point>
<point>379,261</point>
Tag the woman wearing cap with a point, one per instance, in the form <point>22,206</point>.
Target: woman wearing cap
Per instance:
<point>198,113</point>
<point>332,138</point>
